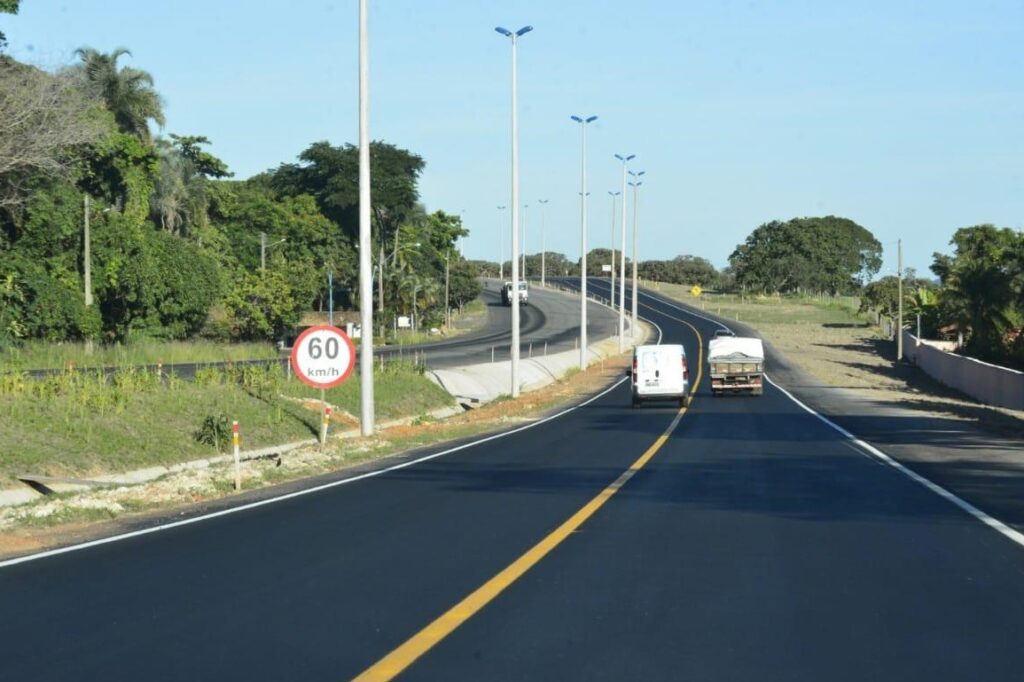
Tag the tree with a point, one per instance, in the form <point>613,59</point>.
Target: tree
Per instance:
<point>44,121</point>
<point>680,270</point>
<point>127,92</point>
<point>978,290</point>
<point>7,7</point>
<point>180,193</point>
<point>829,254</point>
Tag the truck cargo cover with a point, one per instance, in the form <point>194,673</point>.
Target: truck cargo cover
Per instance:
<point>730,346</point>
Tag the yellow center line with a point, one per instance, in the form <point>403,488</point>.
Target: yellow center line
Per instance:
<point>413,648</point>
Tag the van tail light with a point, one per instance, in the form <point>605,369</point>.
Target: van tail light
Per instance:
<point>686,372</point>
<point>634,370</point>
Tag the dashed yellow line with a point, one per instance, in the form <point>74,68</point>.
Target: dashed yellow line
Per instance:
<point>407,653</point>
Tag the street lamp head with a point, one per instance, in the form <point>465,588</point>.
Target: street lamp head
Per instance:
<point>524,30</point>
<point>637,175</point>
<point>501,208</point>
<point>577,119</point>
<point>503,31</point>
<point>591,119</point>
<point>542,201</point>
<point>614,194</point>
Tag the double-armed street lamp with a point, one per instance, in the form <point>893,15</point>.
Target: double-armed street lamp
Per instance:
<point>625,159</point>
<point>514,36</point>
<point>636,206</point>
<point>583,121</point>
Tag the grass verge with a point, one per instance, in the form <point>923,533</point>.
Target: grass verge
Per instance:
<point>43,355</point>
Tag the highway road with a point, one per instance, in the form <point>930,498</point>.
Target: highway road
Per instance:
<point>741,539</point>
<point>550,323</point>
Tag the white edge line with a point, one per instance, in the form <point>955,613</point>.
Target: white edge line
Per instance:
<point>307,491</point>
<point>871,451</point>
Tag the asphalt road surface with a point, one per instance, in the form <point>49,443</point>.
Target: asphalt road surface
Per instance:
<point>742,539</point>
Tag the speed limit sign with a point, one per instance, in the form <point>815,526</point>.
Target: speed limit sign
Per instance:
<point>323,356</point>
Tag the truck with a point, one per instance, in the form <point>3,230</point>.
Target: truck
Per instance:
<point>736,364</point>
<point>506,293</point>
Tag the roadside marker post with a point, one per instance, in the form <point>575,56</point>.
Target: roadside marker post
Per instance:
<point>323,427</point>
<point>236,442</point>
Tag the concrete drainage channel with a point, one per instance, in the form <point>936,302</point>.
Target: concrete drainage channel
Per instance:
<point>472,386</point>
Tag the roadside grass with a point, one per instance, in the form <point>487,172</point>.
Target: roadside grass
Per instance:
<point>86,424</point>
<point>43,355</point>
<point>42,522</point>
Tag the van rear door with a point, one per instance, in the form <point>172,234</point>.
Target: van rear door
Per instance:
<point>660,370</point>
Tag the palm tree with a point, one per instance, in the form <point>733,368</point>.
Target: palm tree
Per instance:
<point>127,92</point>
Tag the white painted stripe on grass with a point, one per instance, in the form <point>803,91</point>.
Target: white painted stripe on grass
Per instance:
<point>307,491</point>
<point>864,447</point>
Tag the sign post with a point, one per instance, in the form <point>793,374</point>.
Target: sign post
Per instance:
<point>323,357</point>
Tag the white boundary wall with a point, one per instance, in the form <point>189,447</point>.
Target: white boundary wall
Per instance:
<point>988,383</point>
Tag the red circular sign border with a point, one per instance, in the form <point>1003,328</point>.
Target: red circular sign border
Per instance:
<point>298,342</point>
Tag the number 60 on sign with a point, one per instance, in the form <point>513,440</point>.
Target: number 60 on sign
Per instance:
<point>323,356</point>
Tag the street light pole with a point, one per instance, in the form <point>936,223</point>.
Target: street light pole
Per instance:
<point>515,207</point>
<point>366,411</point>
<point>622,260</point>
<point>542,263</point>
<point>501,249</point>
<point>526,211</point>
<point>899,323</point>
<point>583,235</point>
<point>636,208</point>
<point>613,195</point>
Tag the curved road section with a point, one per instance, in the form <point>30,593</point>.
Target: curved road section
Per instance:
<point>742,539</point>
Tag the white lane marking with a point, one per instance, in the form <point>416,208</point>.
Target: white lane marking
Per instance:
<point>878,455</point>
<point>308,491</point>
<point>869,450</point>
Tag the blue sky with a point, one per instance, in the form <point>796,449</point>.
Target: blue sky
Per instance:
<point>904,116</point>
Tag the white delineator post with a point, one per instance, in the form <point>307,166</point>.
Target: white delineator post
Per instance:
<point>515,209</point>
<point>235,444</point>
<point>324,425</point>
<point>366,404</point>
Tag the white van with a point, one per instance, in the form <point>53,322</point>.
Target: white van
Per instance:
<point>660,373</point>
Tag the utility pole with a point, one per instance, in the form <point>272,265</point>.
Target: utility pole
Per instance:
<point>899,323</point>
<point>366,406</point>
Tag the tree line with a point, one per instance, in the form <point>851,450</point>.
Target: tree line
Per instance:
<point>176,242</point>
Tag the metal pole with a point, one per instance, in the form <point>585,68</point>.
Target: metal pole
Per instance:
<point>365,284</point>
<point>526,209</point>
<point>514,351</point>
<point>501,249</point>
<point>87,255</point>
<point>583,236</point>
<point>447,305</point>
<point>263,251</point>
<point>614,194</point>
<point>542,254</point>
<point>330,297</point>
<point>622,259</point>
<point>380,278</point>
<point>636,208</point>
<point>899,323</point>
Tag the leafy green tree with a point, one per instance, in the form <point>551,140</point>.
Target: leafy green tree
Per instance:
<point>7,7</point>
<point>829,254</point>
<point>680,270</point>
<point>262,306</point>
<point>127,92</point>
<point>978,288</point>
<point>180,200</point>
